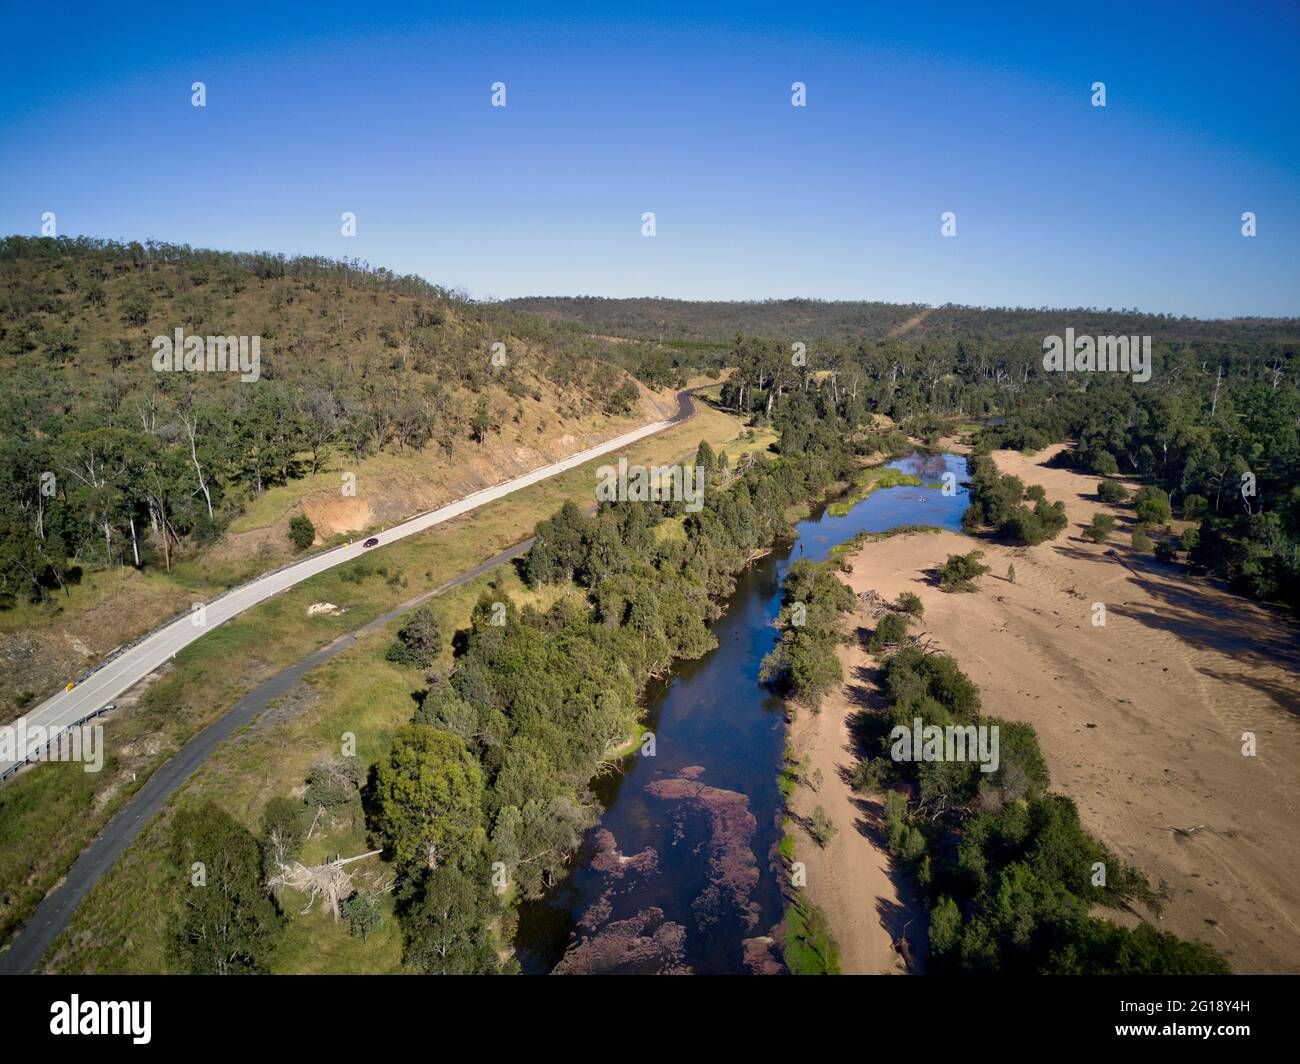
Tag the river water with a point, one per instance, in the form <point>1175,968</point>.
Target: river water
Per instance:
<point>681,874</point>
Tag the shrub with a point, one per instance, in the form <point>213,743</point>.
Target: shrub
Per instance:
<point>1100,529</point>
<point>1152,507</point>
<point>821,828</point>
<point>333,781</point>
<point>1112,491</point>
<point>302,533</point>
<point>910,604</point>
<point>960,571</point>
<point>1141,541</point>
<point>891,629</point>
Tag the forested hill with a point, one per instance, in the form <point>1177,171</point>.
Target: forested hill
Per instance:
<point>687,321</point>
<point>105,460</point>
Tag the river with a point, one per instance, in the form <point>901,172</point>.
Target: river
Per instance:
<point>682,872</point>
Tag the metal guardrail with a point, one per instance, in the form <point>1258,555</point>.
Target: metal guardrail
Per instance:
<point>684,411</point>
<point>29,758</point>
<point>117,652</point>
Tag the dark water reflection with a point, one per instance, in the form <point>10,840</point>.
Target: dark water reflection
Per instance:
<point>714,720</point>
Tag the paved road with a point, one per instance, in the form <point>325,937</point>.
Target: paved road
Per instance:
<point>54,912</point>
<point>123,672</point>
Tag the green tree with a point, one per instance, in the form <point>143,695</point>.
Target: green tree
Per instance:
<point>1112,491</point>
<point>1100,528</point>
<point>945,926</point>
<point>447,931</point>
<point>706,459</point>
<point>362,914</point>
<point>282,833</point>
<point>427,798</point>
<point>891,630</point>
<point>1151,505</point>
<point>418,641</point>
<point>482,423</point>
<point>960,571</point>
<point>228,924</point>
<point>302,533</point>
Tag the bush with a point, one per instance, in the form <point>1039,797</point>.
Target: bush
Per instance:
<point>960,571</point>
<point>821,828</point>
<point>1100,529</point>
<point>1165,551</point>
<point>1141,541</point>
<point>1195,507</point>
<point>1112,491</point>
<point>911,605</point>
<point>417,642</point>
<point>891,629</point>
<point>1152,507</point>
<point>333,782</point>
<point>302,533</point>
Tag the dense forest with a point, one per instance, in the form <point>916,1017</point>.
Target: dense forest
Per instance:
<point>106,461</point>
<point>703,325</point>
<point>1216,430</point>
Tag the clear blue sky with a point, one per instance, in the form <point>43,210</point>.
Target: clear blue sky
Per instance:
<point>913,110</point>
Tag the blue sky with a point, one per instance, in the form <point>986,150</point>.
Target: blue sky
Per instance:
<point>977,109</point>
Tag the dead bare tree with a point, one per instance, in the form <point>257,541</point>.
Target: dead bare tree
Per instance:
<point>330,881</point>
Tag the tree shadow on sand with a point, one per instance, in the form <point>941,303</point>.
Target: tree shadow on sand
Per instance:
<point>1225,623</point>
<point>907,915</point>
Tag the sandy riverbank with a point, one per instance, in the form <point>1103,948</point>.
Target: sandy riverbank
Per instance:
<point>1141,723</point>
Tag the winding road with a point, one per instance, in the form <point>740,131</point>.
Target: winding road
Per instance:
<point>127,668</point>
<point>56,909</point>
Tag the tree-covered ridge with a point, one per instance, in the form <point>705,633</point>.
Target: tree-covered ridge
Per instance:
<point>716,322</point>
<point>106,461</point>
